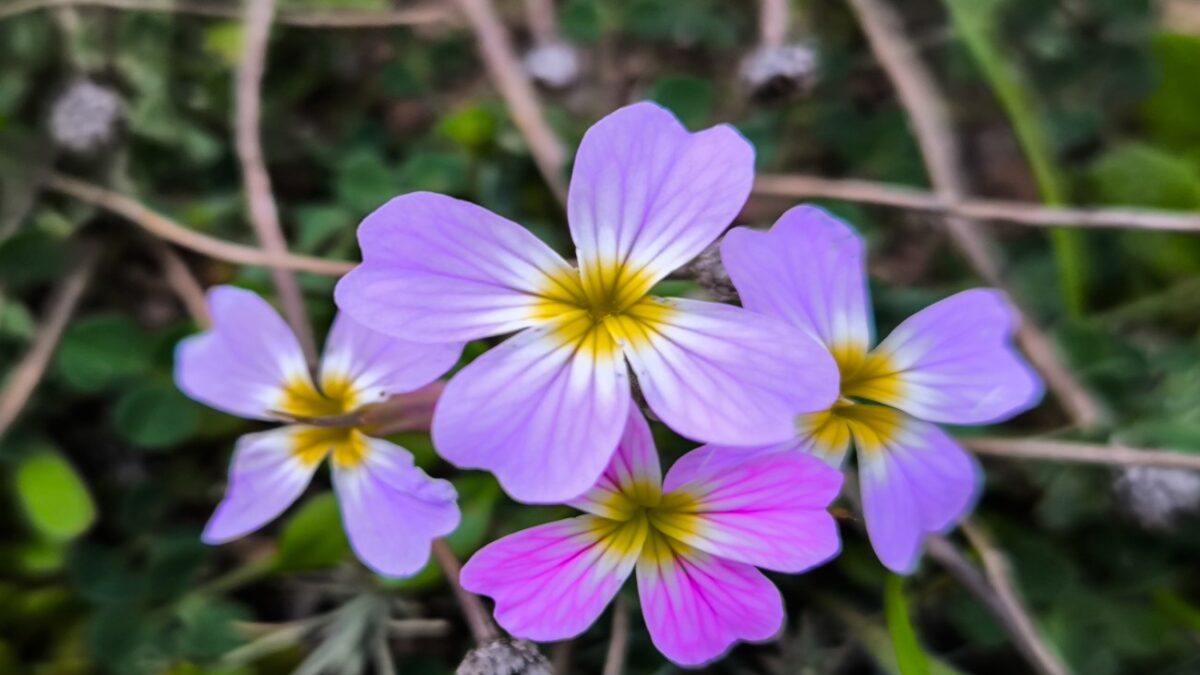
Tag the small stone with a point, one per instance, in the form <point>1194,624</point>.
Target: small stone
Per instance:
<point>555,65</point>
<point>1158,496</point>
<point>85,117</point>
<point>780,70</point>
<point>505,656</point>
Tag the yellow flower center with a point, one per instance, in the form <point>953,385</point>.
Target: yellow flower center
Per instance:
<point>602,308</point>
<point>641,520</point>
<point>867,380</point>
<point>312,444</point>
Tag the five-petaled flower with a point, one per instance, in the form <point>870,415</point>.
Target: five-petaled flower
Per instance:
<point>695,539</point>
<point>952,363</point>
<point>543,410</point>
<point>251,365</point>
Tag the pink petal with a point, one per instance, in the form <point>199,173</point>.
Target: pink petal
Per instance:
<point>721,374</point>
<point>266,476</point>
<point>552,581</point>
<point>541,413</point>
<point>808,270</point>
<point>767,509</point>
<point>633,470</point>
<point>697,605</point>
<point>378,365</point>
<point>915,481</point>
<point>243,363</point>
<point>391,509</point>
<point>955,362</point>
<point>437,269</point>
<point>648,195</point>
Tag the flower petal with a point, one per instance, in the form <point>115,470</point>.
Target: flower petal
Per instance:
<point>954,362</point>
<point>391,509</point>
<point>437,269</point>
<point>267,474</point>
<point>915,481</point>
<point>697,605</point>
<point>722,374</point>
<point>633,472</point>
<point>808,270</point>
<point>375,365</point>
<point>543,411</point>
<point>244,364</point>
<point>767,509</point>
<point>647,196</point>
<point>552,581</point>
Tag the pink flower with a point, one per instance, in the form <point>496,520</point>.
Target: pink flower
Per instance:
<point>952,362</point>
<point>250,364</point>
<point>542,411</point>
<point>694,538</point>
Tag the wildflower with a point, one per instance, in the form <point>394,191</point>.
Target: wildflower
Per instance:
<point>952,363</point>
<point>542,410</point>
<point>695,539</point>
<point>1157,496</point>
<point>251,365</point>
<point>85,116</point>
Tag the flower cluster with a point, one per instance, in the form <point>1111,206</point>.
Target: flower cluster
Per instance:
<point>775,390</point>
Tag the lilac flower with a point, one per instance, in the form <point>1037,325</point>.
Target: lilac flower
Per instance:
<point>250,364</point>
<point>694,538</point>
<point>542,410</point>
<point>951,363</point>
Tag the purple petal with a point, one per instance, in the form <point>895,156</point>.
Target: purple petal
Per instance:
<point>377,365</point>
<point>955,362</point>
<point>633,471</point>
<point>808,270</point>
<point>722,374</point>
<point>768,509</point>
<point>648,195</point>
<point>697,605</point>
<point>915,481</point>
<point>391,509</point>
<point>437,269</point>
<point>267,474</point>
<point>552,581</point>
<point>243,364</point>
<point>541,412</point>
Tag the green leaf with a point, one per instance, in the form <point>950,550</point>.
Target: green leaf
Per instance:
<point>313,537</point>
<point>31,258</point>
<point>364,181</point>
<point>54,497</point>
<point>98,352</point>
<point>155,415</point>
<point>471,127</point>
<point>15,320</point>
<point>909,655</point>
<point>690,98</point>
<point>1142,175</point>
<point>224,41</point>
<point>319,224</point>
<point>444,172</point>
<point>1170,112</point>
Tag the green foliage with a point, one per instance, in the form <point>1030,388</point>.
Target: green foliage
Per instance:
<point>909,655</point>
<point>154,416</point>
<point>99,352</point>
<point>313,537</point>
<point>54,497</point>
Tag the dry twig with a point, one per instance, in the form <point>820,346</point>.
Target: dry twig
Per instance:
<point>24,377</point>
<point>543,23</point>
<point>264,215</point>
<point>773,21</point>
<point>506,72</point>
<point>1009,211</point>
<point>1080,453</point>
<point>926,107</point>
<point>181,281</point>
<point>414,16</point>
<point>618,644</point>
<point>996,567</point>
<point>180,235</point>
<point>483,630</point>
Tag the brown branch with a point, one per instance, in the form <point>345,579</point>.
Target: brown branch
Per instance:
<point>264,214</point>
<point>927,112</point>
<point>996,566</point>
<point>183,283</point>
<point>773,23</point>
<point>1009,211</point>
<point>1080,453</point>
<point>542,21</point>
<point>618,644</point>
<point>429,14</point>
<point>514,86</point>
<point>24,377</point>
<point>180,235</point>
<point>483,630</point>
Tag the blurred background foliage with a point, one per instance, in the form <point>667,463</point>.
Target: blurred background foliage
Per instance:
<point>110,472</point>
